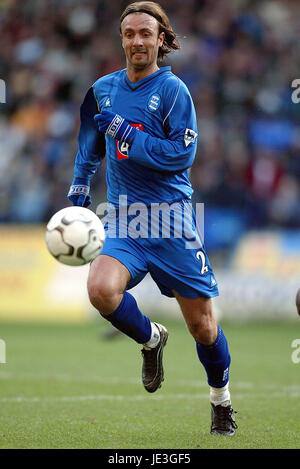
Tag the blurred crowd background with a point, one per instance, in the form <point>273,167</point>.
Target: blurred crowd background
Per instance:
<point>238,58</point>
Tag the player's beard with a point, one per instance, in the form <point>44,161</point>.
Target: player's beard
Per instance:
<point>146,60</point>
<point>140,62</point>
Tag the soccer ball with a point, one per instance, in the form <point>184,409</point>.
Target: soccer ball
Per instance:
<point>75,236</point>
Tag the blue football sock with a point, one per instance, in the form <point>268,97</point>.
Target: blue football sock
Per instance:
<point>216,360</point>
<point>129,319</point>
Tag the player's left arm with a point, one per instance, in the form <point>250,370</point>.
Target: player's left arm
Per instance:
<point>177,151</point>
<point>174,153</point>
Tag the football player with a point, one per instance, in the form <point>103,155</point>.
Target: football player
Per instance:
<point>143,119</point>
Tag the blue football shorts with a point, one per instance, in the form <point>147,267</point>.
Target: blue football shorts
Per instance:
<point>174,257</point>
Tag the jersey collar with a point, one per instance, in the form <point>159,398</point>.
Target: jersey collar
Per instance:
<point>134,86</point>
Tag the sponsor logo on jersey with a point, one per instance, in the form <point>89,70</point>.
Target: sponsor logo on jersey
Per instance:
<point>107,102</point>
<point>122,147</point>
<point>189,136</point>
<point>154,102</point>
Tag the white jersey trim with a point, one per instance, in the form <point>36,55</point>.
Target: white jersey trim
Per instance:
<point>173,103</point>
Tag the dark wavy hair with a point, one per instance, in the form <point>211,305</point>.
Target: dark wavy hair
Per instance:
<point>154,9</point>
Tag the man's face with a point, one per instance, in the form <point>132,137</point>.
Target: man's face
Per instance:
<point>140,40</point>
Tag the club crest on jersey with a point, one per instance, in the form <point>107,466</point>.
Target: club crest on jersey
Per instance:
<point>189,136</point>
<point>122,147</point>
<point>154,102</point>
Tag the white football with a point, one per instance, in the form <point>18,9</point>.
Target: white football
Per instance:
<point>75,236</point>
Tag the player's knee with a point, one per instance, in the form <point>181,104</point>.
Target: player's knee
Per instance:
<point>194,328</point>
<point>102,294</point>
<point>203,332</point>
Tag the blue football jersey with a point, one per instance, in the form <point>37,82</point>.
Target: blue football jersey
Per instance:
<point>155,167</point>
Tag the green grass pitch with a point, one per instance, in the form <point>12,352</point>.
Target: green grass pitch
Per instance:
<point>64,386</point>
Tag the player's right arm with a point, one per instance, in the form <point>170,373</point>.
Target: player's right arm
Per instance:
<point>91,151</point>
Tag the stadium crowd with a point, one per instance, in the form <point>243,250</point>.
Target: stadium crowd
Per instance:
<point>238,59</point>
